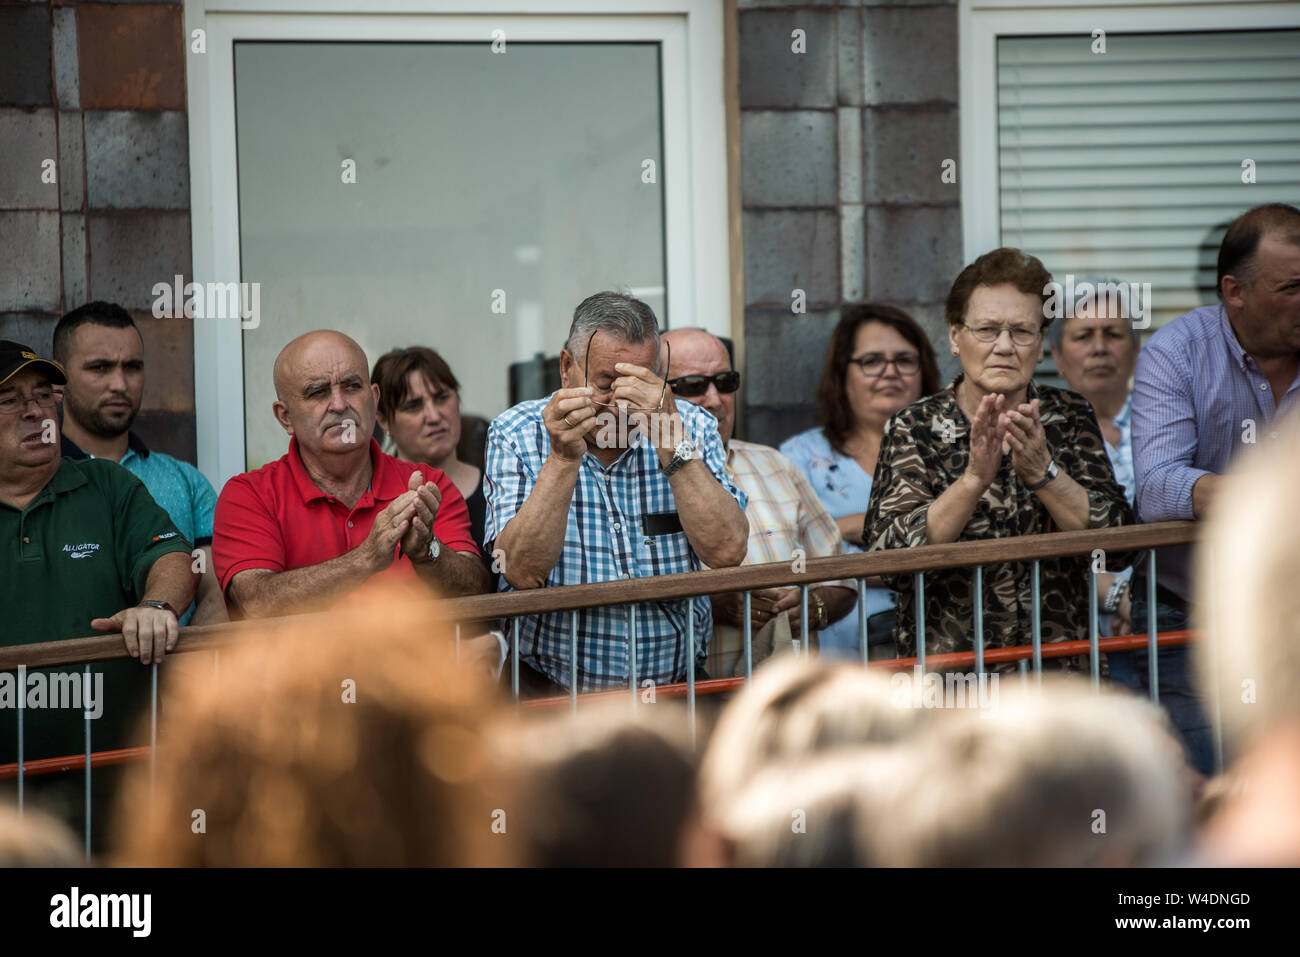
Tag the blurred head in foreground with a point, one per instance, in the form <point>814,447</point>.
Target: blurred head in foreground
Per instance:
<point>33,839</point>
<point>1249,655</point>
<point>607,787</point>
<point>1066,780</point>
<point>793,709</point>
<point>347,740</point>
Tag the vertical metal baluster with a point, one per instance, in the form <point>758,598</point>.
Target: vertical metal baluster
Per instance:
<point>1022,666</point>
<point>805,630</point>
<point>979,620</point>
<point>920,621</point>
<point>690,666</point>
<point>573,661</point>
<point>87,719</point>
<point>862,619</point>
<point>22,695</point>
<point>1094,652</point>
<point>457,642</point>
<point>1153,668</point>
<point>153,725</point>
<point>749,640</point>
<point>631,647</point>
<point>1036,625</point>
<point>514,663</point>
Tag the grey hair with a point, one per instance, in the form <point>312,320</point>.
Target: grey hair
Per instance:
<point>626,319</point>
<point>1056,331</point>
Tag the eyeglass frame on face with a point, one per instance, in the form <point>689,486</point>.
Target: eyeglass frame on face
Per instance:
<point>885,363</point>
<point>586,380</point>
<point>977,334</point>
<point>21,401</point>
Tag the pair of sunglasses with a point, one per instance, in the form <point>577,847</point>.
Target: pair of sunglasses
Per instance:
<point>694,386</point>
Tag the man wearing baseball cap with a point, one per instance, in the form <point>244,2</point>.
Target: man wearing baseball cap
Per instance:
<point>83,549</point>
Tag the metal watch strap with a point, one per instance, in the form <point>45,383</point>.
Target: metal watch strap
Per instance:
<point>155,603</point>
<point>1053,470</point>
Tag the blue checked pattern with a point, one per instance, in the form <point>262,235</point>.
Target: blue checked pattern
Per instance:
<point>603,541</point>
<point>1198,399</point>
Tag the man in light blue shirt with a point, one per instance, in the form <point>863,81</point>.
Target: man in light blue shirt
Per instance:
<point>577,494</point>
<point>102,350</point>
<point>1209,384</point>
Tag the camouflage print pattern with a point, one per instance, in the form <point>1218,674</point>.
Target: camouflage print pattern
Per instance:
<point>924,450</point>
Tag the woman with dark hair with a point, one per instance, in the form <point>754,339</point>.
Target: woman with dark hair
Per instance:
<point>994,455</point>
<point>879,361</point>
<point>419,408</point>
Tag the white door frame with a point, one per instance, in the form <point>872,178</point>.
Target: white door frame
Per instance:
<point>981,22</point>
<point>694,173</point>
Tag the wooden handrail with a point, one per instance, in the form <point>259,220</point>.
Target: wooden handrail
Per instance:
<point>898,561</point>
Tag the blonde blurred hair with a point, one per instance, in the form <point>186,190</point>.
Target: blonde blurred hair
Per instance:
<point>33,839</point>
<point>288,772</point>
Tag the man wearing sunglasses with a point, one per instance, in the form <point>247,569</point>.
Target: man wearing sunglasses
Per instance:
<point>786,518</point>
<point>609,478</point>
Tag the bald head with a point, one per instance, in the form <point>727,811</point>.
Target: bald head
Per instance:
<point>696,352</point>
<point>324,396</point>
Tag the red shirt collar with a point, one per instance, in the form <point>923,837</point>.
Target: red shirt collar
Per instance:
<point>386,484</point>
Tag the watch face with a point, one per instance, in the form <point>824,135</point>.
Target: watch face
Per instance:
<point>684,451</point>
<point>435,548</point>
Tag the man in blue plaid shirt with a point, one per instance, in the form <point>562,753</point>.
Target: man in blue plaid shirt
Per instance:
<point>578,493</point>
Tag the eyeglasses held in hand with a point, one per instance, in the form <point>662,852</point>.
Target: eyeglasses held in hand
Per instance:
<point>13,403</point>
<point>694,386</point>
<point>873,363</point>
<point>1019,334</point>
<point>586,380</point>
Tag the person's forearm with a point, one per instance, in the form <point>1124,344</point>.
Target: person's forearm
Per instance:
<point>713,521</point>
<point>1066,501</point>
<point>1203,494</point>
<point>850,527</point>
<point>948,514</point>
<point>534,538</point>
<point>211,607</point>
<point>297,590</point>
<point>839,601</point>
<point>173,580</point>
<point>455,573</point>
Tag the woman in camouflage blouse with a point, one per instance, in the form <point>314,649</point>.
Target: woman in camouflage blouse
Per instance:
<point>992,456</point>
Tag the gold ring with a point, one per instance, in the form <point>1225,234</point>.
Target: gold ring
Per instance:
<point>568,423</point>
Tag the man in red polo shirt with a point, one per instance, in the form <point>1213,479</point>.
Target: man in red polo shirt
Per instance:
<point>336,512</point>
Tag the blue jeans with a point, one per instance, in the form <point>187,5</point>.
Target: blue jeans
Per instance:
<point>1177,691</point>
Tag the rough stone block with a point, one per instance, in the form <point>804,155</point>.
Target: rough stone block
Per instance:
<point>850,153</point>
<point>74,261</point>
<point>907,152</point>
<point>29,261</point>
<point>172,433</point>
<point>772,74</point>
<point>132,57</point>
<point>787,250</point>
<point>72,162</point>
<point>137,160</point>
<point>168,362</point>
<point>768,425</point>
<point>913,253</point>
<point>849,67</point>
<point>784,355</point>
<point>25,56</point>
<point>853,252</point>
<point>67,73</point>
<point>787,158</point>
<point>27,141</point>
<point>130,252</point>
<point>32,329</point>
<point>909,54</point>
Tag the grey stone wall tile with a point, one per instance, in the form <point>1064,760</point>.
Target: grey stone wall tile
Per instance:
<point>74,260</point>
<point>129,252</point>
<point>771,74</point>
<point>27,141</point>
<point>909,54</point>
<point>25,78</point>
<point>72,162</point>
<point>853,252</point>
<point>32,329</point>
<point>785,354</point>
<point>29,261</point>
<point>849,54</point>
<point>787,158</point>
<point>137,159</point>
<point>907,149</point>
<point>913,252</point>
<point>791,249</point>
<point>850,153</point>
<point>67,70</point>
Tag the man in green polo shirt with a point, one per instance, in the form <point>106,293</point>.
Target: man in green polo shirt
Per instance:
<point>83,549</point>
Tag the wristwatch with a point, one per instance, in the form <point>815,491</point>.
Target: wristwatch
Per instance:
<point>435,549</point>
<point>1052,472</point>
<point>155,603</point>
<point>684,452</point>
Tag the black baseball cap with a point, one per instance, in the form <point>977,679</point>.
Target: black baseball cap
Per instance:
<point>15,356</point>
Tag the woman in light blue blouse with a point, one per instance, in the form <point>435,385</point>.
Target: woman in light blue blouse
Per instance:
<point>878,361</point>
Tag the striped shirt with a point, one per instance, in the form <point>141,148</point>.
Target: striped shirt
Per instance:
<point>604,540</point>
<point>784,514</point>
<point>1198,399</point>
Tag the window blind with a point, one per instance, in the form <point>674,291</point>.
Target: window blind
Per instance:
<point>1128,163</point>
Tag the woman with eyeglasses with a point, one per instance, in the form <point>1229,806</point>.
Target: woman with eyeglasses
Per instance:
<point>879,361</point>
<point>994,455</point>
